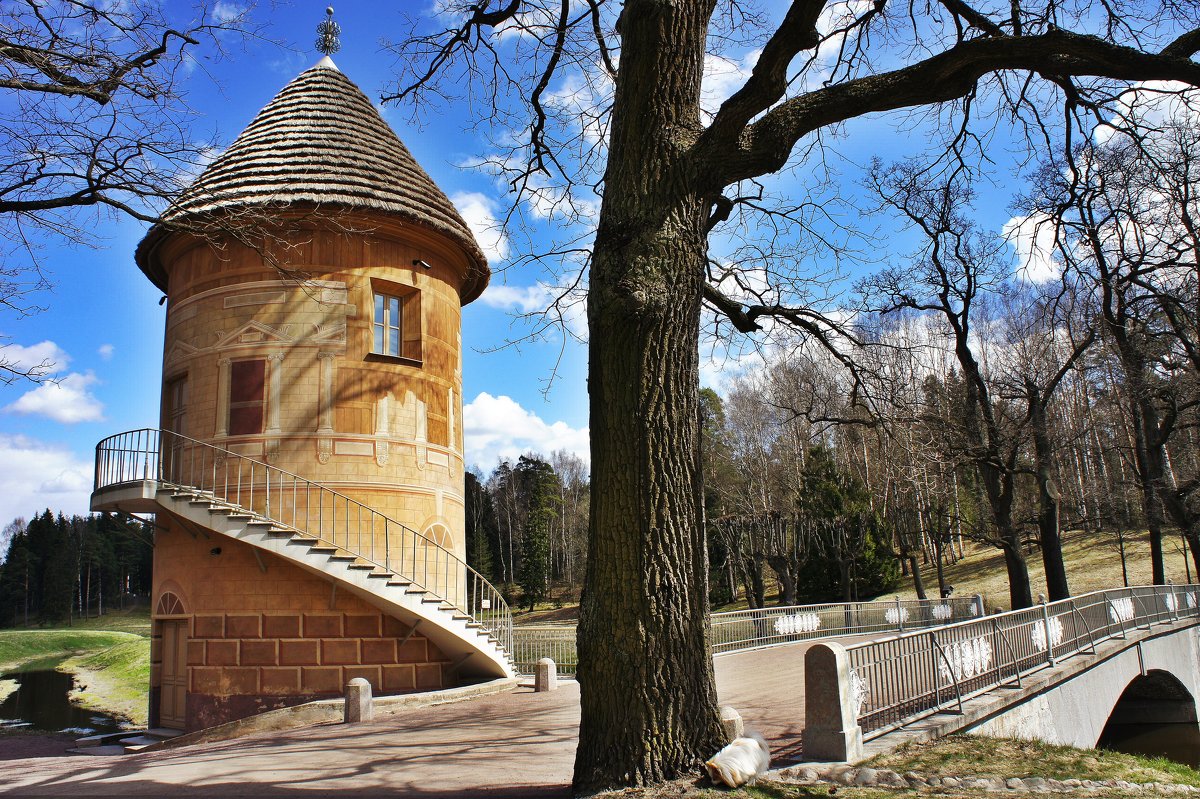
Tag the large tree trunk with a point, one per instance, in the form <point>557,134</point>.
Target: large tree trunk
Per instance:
<point>1048,532</point>
<point>647,693</point>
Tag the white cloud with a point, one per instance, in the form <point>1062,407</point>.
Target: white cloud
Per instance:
<point>37,475</point>
<point>722,77</point>
<point>1148,105</point>
<point>522,299</point>
<point>106,351</point>
<point>68,400</point>
<point>571,308</point>
<point>498,427</point>
<point>478,210</point>
<point>1033,239</point>
<point>24,359</point>
<point>228,12</point>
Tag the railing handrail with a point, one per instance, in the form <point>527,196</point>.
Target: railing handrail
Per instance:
<point>889,603</point>
<point>905,692</point>
<point>159,440</point>
<point>1049,605</point>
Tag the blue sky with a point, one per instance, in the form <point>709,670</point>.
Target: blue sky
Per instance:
<point>102,324</point>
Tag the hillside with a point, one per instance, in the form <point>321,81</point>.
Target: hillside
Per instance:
<point>1093,562</point>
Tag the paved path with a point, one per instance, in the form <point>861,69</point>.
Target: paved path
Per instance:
<point>520,744</point>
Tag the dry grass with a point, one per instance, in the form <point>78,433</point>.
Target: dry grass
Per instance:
<point>969,755</point>
<point>704,789</point>
<point>1093,562</point>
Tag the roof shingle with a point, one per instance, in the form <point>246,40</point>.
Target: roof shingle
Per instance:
<point>319,142</point>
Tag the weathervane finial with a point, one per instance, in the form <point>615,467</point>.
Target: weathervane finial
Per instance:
<point>327,34</point>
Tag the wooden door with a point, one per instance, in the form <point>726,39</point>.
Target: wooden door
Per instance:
<point>172,701</point>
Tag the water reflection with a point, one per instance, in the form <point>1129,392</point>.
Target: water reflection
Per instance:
<point>41,702</point>
<point>1179,742</point>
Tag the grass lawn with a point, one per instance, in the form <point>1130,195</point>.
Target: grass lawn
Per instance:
<point>976,756</point>
<point>109,657</point>
<point>1093,562</point>
<point>959,756</point>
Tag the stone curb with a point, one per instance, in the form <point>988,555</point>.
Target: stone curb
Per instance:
<point>323,711</point>
<point>866,777</point>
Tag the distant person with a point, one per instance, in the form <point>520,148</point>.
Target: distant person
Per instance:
<point>947,591</point>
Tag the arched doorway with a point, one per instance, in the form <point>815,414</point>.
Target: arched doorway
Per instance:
<point>169,704</point>
<point>1155,715</point>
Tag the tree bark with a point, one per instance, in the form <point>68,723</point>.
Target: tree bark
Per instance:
<point>1048,532</point>
<point>647,692</point>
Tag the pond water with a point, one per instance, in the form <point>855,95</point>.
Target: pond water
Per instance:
<point>41,702</point>
<point>1178,742</point>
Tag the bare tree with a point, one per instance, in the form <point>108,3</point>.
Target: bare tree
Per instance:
<point>671,176</point>
<point>95,121</point>
<point>1123,216</point>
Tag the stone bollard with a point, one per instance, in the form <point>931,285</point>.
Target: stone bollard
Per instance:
<point>831,730</point>
<point>731,720</point>
<point>359,706</point>
<point>545,676</point>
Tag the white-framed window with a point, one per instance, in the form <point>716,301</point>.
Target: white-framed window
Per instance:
<point>388,337</point>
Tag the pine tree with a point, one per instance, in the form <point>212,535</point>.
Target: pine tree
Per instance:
<point>539,489</point>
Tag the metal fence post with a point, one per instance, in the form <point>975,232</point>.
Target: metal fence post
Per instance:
<point>1046,629</point>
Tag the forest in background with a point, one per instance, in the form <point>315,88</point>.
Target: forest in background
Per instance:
<point>57,569</point>
<point>967,397</point>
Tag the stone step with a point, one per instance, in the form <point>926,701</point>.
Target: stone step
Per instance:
<point>101,739</point>
<point>105,750</point>
<point>139,742</point>
<point>163,733</point>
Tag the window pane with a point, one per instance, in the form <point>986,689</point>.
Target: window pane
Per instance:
<point>393,342</point>
<point>246,420</point>
<point>246,381</point>
<point>393,312</point>
<point>378,339</point>
<point>379,298</point>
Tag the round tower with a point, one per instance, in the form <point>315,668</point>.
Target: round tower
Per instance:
<point>314,326</point>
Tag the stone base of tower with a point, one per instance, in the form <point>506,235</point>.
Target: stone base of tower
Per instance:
<point>237,631</point>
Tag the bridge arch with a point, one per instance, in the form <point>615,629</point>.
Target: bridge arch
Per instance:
<point>1155,715</point>
<point>1073,704</point>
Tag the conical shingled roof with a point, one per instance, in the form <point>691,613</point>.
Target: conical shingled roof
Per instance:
<point>320,142</point>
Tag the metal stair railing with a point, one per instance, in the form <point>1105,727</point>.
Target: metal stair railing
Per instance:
<point>242,484</point>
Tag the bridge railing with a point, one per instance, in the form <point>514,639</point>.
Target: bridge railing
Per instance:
<point>897,679</point>
<point>533,642</point>
<point>740,630</point>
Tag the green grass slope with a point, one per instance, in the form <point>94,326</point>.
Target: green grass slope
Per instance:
<point>111,668</point>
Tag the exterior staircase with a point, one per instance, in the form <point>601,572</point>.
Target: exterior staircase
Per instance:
<point>395,568</point>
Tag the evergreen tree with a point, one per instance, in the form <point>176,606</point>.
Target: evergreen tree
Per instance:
<point>482,533</point>
<point>849,552</point>
<point>539,489</point>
